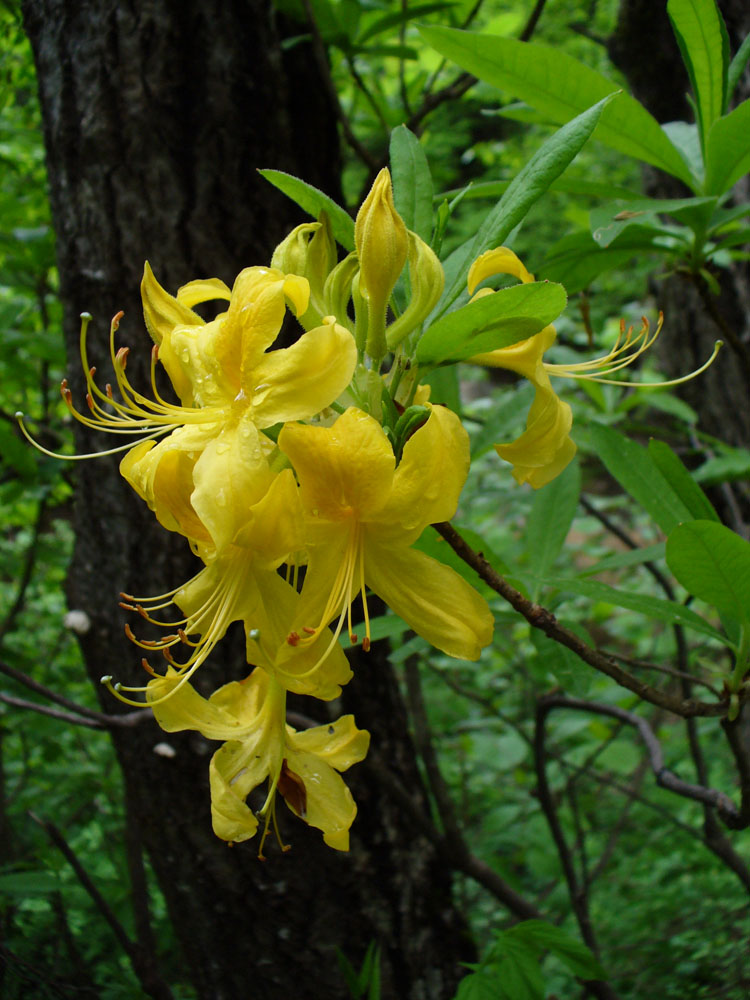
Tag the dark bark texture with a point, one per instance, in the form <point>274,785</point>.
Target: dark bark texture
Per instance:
<point>156,114</point>
<point>644,48</point>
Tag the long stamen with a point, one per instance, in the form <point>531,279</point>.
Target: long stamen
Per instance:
<point>627,349</point>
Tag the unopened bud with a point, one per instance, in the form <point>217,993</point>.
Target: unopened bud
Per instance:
<point>381,240</point>
<point>427,280</point>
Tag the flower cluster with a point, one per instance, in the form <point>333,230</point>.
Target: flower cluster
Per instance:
<point>302,478</point>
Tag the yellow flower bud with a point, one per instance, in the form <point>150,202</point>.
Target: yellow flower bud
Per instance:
<point>309,251</point>
<point>427,280</point>
<point>381,240</point>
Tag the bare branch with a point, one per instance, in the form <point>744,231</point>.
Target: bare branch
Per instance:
<point>539,617</point>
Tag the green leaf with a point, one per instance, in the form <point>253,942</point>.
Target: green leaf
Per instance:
<point>519,974</point>
<point>736,67</point>
<point>635,470</point>
<point>561,87</point>
<point>445,387</point>
<point>529,184</point>
<point>683,484</point>
<point>480,985</point>
<point>491,322</point>
<point>552,512</point>
<point>412,182</point>
<point>547,937</point>
<point>569,670</point>
<point>395,18</point>
<point>634,557</point>
<point>28,883</point>
<point>608,221</point>
<point>657,608</point>
<point>732,465</point>
<point>702,37</point>
<point>727,150</point>
<point>313,201</point>
<point>576,260</point>
<point>713,563</point>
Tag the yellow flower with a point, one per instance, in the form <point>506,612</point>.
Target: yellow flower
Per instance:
<point>240,583</point>
<point>545,448</point>
<point>302,766</point>
<point>229,384</point>
<point>363,514</point>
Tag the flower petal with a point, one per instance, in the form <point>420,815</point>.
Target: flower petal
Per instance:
<point>163,312</point>
<point>203,290</point>
<point>301,380</point>
<point>545,448</point>
<point>231,475</point>
<point>343,470</point>
<point>340,743</point>
<point>186,709</point>
<point>329,806</point>
<point>429,477</point>
<point>430,597</point>
<point>498,261</point>
<point>525,357</point>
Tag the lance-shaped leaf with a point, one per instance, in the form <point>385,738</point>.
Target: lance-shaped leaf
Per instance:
<point>529,184</point>
<point>560,87</point>
<point>313,201</point>
<point>412,182</point>
<point>713,563</point>
<point>492,322</point>
<point>728,151</point>
<point>702,37</point>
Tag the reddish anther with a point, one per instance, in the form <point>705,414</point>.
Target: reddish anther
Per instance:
<point>293,638</point>
<point>366,644</point>
<point>116,319</point>
<point>310,631</point>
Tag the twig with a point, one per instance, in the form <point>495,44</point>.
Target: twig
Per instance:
<point>319,51</point>
<point>102,720</point>
<point>151,985</point>
<point>53,713</point>
<point>543,619</point>
<point>532,22</point>
<point>665,778</point>
<point>670,671</point>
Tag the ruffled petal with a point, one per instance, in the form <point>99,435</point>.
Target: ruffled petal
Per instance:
<point>339,744</point>
<point>203,290</point>
<point>431,598</point>
<point>329,806</point>
<point>525,357</point>
<point>429,477</point>
<point>162,475</point>
<point>498,261</point>
<point>345,470</point>
<point>163,312</point>
<point>231,474</point>
<point>301,380</point>
<point>186,709</point>
<point>545,447</point>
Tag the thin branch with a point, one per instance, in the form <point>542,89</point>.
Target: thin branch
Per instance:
<point>532,22</point>
<point>153,986</point>
<point>576,891</point>
<point>54,713</point>
<point>539,617</point>
<point>670,671</point>
<point>321,58</point>
<point>665,778</point>
<point>96,720</point>
<point>735,732</point>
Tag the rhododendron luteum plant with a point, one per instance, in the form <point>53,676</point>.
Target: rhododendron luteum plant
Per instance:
<point>303,477</point>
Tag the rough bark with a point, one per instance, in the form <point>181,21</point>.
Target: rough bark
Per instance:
<point>657,77</point>
<point>156,115</point>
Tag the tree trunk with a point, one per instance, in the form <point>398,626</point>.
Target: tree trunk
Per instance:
<point>156,115</point>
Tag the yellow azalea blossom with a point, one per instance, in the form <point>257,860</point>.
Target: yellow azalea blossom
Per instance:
<point>250,716</point>
<point>363,514</point>
<point>545,448</point>
<point>240,583</point>
<point>229,384</point>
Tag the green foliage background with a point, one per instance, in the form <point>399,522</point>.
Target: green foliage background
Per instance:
<point>670,917</point>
